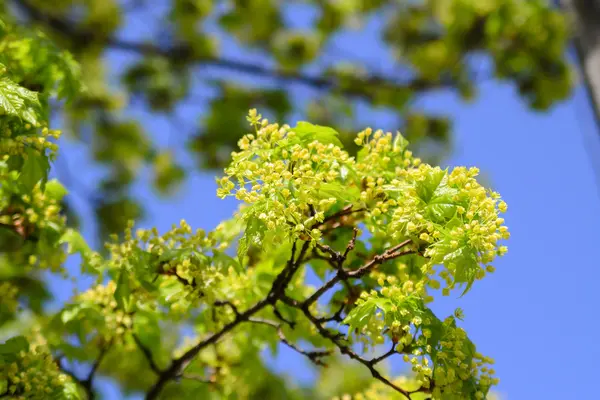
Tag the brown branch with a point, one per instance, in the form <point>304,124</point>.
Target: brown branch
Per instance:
<point>315,356</point>
<point>351,243</point>
<point>198,378</point>
<point>67,371</point>
<point>179,364</point>
<point>88,382</point>
<point>292,324</point>
<point>342,274</point>
<point>337,316</point>
<point>344,211</point>
<point>277,290</point>
<point>147,354</point>
<point>335,337</point>
<point>222,303</point>
<point>359,87</point>
<point>382,357</point>
<point>345,349</point>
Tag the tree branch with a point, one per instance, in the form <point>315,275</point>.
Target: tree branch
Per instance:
<point>277,289</point>
<point>382,357</point>
<point>360,87</point>
<point>314,356</point>
<point>148,354</point>
<point>336,337</point>
<point>342,274</point>
<point>222,303</point>
<point>198,378</point>
<point>88,382</point>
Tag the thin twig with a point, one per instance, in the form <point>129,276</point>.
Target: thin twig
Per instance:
<point>335,317</point>
<point>148,354</point>
<point>277,290</point>
<point>88,382</point>
<point>292,324</point>
<point>382,357</point>
<point>222,303</point>
<point>315,356</point>
<point>197,378</point>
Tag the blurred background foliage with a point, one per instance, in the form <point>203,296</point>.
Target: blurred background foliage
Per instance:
<point>201,64</point>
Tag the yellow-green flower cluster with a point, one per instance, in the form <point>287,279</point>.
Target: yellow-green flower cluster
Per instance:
<point>9,299</point>
<point>285,179</point>
<point>457,362</point>
<point>380,391</point>
<point>441,356</point>
<point>115,322</point>
<point>192,266</point>
<point>383,155</point>
<point>33,217</point>
<point>32,374</point>
<point>453,216</point>
<point>15,141</point>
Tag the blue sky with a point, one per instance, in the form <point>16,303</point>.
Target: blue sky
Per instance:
<point>537,314</point>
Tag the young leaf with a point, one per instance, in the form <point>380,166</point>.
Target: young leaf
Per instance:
<point>35,169</point>
<point>14,345</point>
<point>308,132</point>
<point>76,243</point>
<point>55,190</point>
<point>361,314</point>
<point>17,101</point>
<point>400,143</point>
<point>123,292</point>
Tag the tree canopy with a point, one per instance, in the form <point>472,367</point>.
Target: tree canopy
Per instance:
<point>200,65</point>
<point>188,313</point>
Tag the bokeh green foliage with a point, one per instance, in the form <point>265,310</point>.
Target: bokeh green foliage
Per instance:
<point>288,65</point>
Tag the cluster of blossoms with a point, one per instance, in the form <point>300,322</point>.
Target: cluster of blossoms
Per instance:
<point>441,356</point>
<point>112,322</point>
<point>20,139</point>
<point>34,219</point>
<point>285,176</point>
<point>379,391</point>
<point>422,221</point>
<point>32,373</point>
<point>9,299</point>
<point>193,266</point>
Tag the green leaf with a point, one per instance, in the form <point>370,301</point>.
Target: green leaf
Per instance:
<point>35,169</point>
<point>427,187</point>
<point>55,190</point>
<point>360,315</point>
<point>17,101</point>
<point>70,391</point>
<point>170,289</point>
<point>253,235</point>
<point>72,352</point>
<point>307,132</point>
<point>362,153</point>
<point>123,292</point>
<point>76,243</point>
<point>400,143</point>
<point>442,206</point>
<point>14,345</point>
<point>338,191</point>
<point>9,239</point>
<point>465,260</point>
<point>147,329</point>
<point>223,261</point>
<point>174,254</point>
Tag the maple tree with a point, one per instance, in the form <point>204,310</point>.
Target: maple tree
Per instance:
<point>385,232</point>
